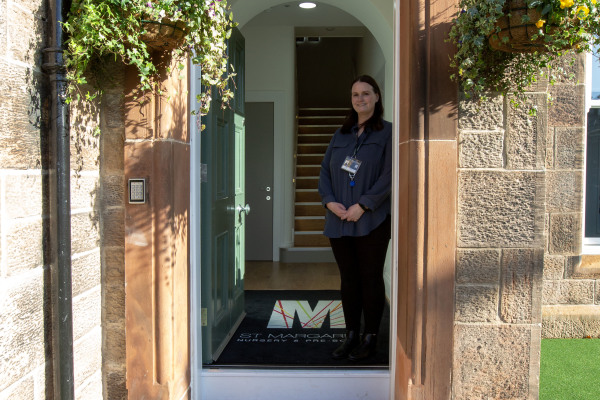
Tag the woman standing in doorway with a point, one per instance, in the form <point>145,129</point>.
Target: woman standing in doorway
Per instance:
<point>354,186</point>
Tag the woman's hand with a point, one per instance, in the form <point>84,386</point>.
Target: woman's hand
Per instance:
<point>353,213</point>
<point>336,208</point>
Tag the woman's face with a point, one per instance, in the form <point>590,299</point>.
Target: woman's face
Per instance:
<point>364,99</point>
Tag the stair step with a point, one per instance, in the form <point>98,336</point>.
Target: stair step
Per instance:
<point>309,209</point>
<point>324,129</point>
<point>308,170</point>
<point>310,195</point>
<point>307,182</point>
<point>304,148</point>
<point>310,239</point>
<point>323,111</point>
<point>309,159</point>
<point>302,224</point>
<point>336,120</point>
<point>314,138</point>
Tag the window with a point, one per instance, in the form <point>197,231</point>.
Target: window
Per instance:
<point>591,239</point>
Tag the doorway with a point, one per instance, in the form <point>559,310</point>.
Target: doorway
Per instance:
<point>283,196</point>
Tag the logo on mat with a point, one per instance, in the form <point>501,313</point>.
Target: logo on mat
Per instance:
<point>285,311</point>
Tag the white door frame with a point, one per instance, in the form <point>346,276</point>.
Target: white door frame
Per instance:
<point>259,384</point>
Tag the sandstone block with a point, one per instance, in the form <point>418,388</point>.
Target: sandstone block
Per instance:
<point>116,385</point>
<point>86,313</point>
<point>476,304</point>
<point>24,245</point>
<point>85,272</point>
<point>550,148</point>
<point>487,116</point>
<point>23,195</point>
<point>491,362</point>
<point>565,321</point>
<point>19,118</point>
<point>521,285</point>
<point>84,190</point>
<point>114,345</point>
<point>114,302</point>
<point>554,267</point>
<point>85,232</point>
<point>481,149</point>
<point>25,26</point>
<point>91,388</point>
<point>564,191</point>
<point>500,209</point>
<point>565,234</point>
<point>87,356</point>
<point>478,266</point>
<point>22,390</point>
<point>583,267</point>
<point>114,264</point>
<point>113,227</point>
<point>567,108</point>
<point>21,326</point>
<point>568,291</point>
<point>112,156</point>
<point>113,110</point>
<point>569,148</point>
<point>113,190</point>
<point>526,134</point>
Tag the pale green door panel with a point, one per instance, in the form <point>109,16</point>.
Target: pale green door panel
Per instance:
<point>223,211</point>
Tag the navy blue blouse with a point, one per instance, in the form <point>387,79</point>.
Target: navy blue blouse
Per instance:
<point>372,180</point>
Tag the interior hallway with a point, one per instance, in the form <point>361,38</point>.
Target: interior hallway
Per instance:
<point>269,275</point>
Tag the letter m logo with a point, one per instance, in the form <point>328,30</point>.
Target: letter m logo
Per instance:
<point>285,311</point>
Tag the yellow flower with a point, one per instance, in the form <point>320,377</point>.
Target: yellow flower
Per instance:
<point>585,10</point>
<point>540,23</point>
<point>566,3</point>
<point>593,1</point>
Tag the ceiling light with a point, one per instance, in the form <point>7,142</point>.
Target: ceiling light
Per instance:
<point>307,5</point>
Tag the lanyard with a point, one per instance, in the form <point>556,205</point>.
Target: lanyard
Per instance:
<point>357,146</point>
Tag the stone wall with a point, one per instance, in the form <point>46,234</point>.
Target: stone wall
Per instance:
<point>25,261</point>
<point>571,304</point>
<point>500,248</point>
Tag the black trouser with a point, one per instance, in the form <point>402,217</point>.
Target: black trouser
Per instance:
<point>361,260</point>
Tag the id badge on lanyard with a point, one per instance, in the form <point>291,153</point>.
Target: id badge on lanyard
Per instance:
<point>352,164</point>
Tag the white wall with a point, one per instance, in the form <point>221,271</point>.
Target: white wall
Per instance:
<point>270,76</point>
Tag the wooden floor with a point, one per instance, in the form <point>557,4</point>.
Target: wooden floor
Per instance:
<point>268,275</point>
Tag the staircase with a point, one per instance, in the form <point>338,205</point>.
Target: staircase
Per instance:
<point>315,129</point>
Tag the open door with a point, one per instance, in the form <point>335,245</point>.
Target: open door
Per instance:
<point>223,213</point>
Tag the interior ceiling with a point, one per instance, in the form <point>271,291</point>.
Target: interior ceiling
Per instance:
<point>322,15</point>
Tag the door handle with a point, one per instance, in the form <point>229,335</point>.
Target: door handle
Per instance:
<point>243,209</point>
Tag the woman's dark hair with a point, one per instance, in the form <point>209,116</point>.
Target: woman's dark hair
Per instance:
<point>375,123</point>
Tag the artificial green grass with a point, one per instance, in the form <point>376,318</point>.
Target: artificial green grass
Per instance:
<point>570,369</point>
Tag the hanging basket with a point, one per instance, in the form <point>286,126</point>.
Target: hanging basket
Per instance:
<point>516,35</point>
<point>164,35</point>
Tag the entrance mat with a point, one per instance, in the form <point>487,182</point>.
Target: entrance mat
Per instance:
<point>296,329</point>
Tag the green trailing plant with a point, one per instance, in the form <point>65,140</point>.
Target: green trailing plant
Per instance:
<point>487,61</point>
<point>120,29</point>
